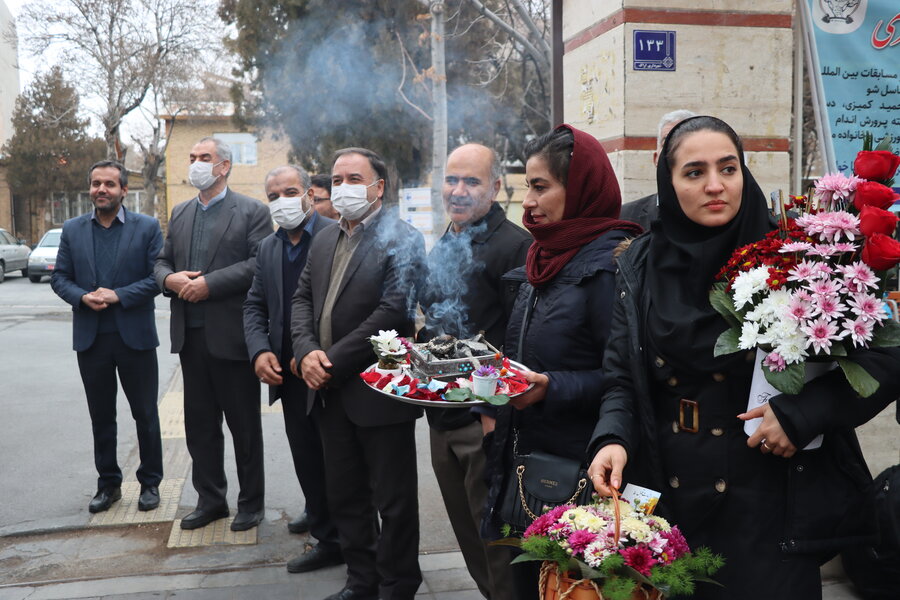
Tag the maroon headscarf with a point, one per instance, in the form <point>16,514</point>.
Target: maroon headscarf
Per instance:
<point>593,202</point>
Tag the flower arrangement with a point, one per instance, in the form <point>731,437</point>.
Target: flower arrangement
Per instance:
<point>389,348</point>
<point>618,549</point>
<point>810,290</point>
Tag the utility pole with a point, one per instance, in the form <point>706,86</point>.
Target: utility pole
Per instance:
<point>439,131</point>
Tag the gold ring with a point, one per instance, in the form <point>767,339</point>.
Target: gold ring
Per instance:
<point>765,445</point>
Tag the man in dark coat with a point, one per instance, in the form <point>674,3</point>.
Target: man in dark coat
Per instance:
<point>463,295</point>
<point>359,279</point>
<point>104,269</point>
<point>267,318</point>
<point>644,211</point>
<point>206,267</point>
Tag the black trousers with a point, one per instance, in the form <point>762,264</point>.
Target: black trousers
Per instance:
<point>214,388</point>
<point>309,462</point>
<point>371,473</point>
<point>139,374</point>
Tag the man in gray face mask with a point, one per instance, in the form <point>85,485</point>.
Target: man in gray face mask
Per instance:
<point>206,267</point>
<point>360,278</point>
<point>267,318</point>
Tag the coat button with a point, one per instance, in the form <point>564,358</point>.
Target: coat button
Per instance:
<point>721,486</point>
<point>673,482</point>
<point>621,294</point>
<point>799,468</point>
<point>672,381</point>
<point>718,377</point>
<point>717,431</point>
<point>675,427</point>
<point>659,362</point>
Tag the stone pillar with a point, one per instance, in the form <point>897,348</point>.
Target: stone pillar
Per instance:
<point>733,60</point>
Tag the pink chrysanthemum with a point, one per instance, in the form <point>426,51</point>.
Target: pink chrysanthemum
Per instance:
<point>774,361</point>
<point>830,226</point>
<point>828,306</point>
<point>821,250</point>
<point>639,558</point>
<point>868,307</point>
<point>799,309</point>
<point>845,247</point>
<point>803,295</point>
<point>824,287</point>
<point>803,271</point>
<point>677,545</point>
<point>580,539</point>
<point>795,247</point>
<point>860,330</point>
<point>821,332</point>
<point>833,187</point>
<point>858,277</point>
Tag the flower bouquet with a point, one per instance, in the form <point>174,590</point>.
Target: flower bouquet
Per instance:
<point>610,550</point>
<point>810,291</point>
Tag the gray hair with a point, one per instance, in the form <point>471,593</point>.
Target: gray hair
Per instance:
<point>222,149</point>
<point>305,180</point>
<point>670,120</point>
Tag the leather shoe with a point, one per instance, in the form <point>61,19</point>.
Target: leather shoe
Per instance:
<point>245,520</point>
<point>149,498</point>
<point>349,593</point>
<point>316,557</point>
<point>104,498</point>
<point>202,518</point>
<point>300,524</point>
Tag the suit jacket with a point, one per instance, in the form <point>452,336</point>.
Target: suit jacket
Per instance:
<point>377,292</point>
<point>263,307</point>
<point>230,264</point>
<point>642,211</point>
<point>74,276</point>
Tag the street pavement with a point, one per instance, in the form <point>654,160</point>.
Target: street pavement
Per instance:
<point>51,548</point>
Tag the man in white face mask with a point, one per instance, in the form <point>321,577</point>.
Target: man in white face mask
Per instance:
<point>358,280</point>
<point>267,318</point>
<point>206,267</point>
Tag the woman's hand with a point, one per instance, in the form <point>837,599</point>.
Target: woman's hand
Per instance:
<point>770,437</point>
<point>535,394</point>
<point>606,468</point>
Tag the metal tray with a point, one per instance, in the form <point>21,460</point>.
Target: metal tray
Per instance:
<point>444,403</point>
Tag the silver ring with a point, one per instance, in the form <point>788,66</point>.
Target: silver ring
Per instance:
<point>765,445</point>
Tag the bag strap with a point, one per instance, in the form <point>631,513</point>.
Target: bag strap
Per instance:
<point>582,483</point>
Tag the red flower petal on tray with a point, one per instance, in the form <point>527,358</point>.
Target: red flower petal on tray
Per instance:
<point>370,377</point>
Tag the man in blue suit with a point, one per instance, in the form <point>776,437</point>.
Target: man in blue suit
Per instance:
<point>104,269</point>
<point>267,329</point>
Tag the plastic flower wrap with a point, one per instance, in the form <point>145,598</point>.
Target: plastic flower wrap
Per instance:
<point>618,555</point>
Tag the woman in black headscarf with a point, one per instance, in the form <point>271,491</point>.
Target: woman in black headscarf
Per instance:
<point>671,416</point>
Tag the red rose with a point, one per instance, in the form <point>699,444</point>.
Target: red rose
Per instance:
<point>877,165</point>
<point>874,220</point>
<point>869,193</point>
<point>881,252</point>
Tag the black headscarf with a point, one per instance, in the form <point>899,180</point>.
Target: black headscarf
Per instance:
<point>683,261</point>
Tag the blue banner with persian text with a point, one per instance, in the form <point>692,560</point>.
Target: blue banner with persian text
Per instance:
<point>857,43</point>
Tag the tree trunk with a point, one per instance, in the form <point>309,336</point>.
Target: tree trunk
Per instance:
<point>439,132</point>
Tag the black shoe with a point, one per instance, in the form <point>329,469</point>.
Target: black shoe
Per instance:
<point>149,498</point>
<point>246,520</point>
<point>202,518</point>
<point>300,524</point>
<point>316,557</point>
<point>104,498</point>
<point>350,594</point>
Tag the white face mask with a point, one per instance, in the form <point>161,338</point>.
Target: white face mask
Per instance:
<point>351,200</point>
<point>288,213</point>
<point>201,176</point>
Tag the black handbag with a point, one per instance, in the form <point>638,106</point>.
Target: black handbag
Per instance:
<point>538,482</point>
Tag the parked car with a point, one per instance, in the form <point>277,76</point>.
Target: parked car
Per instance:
<point>13,255</point>
<point>43,258</point>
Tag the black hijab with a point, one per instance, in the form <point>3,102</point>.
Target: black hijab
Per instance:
<point>684,258</point>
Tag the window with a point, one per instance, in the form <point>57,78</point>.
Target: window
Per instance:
<point>243,147</point>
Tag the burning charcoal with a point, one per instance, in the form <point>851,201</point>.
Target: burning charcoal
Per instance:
<point>473,348</point>
<point>443,347</point>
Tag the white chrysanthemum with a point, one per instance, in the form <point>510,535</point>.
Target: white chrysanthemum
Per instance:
<point>749,336</point>
<point>792,348</point>
<point>591,522</point>
<point>595,552</point>
<point>636,529</point>
<point>660,523</point>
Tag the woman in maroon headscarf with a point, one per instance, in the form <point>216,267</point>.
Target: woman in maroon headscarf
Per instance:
<point>560,321</point>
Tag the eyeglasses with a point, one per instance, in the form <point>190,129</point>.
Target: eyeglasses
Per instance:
<point>320,199</point>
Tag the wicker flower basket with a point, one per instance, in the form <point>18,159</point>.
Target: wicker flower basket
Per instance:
<point>554,587</point>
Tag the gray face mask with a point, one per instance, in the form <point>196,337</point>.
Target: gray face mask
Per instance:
<point>351,200</point>
<point>201,176</point>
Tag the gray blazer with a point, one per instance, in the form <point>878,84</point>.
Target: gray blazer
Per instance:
<point>263,308</point>
<point>230,264</point>
<point>377,292</point>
